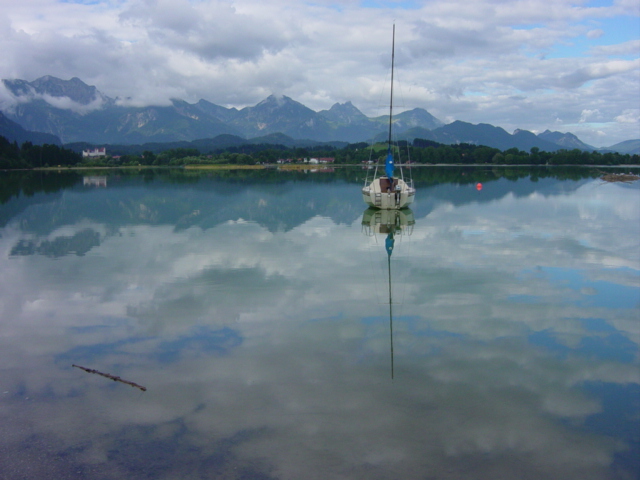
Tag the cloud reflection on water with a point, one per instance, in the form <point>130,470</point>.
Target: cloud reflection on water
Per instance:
<point>265,352</point>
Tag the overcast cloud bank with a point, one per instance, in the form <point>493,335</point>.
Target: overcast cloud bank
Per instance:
<point>573,66</point>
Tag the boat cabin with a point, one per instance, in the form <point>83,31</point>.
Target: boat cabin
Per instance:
<point>386,185</point>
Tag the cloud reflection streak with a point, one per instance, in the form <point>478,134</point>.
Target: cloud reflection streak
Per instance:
<point>265,354</point>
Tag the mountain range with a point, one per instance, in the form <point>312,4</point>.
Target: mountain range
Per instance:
<point>51,110</point>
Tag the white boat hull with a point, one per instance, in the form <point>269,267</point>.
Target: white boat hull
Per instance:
<point>379,194</point>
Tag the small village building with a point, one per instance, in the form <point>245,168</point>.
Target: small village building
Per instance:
<point>94,153</point>
<point>316,161</point>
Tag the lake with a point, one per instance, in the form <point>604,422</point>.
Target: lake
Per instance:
<point>266,325</point>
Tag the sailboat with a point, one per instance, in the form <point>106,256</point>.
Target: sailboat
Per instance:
<point>388,192</point>
<point>391,223</point>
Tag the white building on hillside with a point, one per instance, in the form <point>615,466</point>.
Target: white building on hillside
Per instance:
<point>96,152</point>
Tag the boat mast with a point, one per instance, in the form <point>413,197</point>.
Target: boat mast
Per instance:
<point>393,52</point>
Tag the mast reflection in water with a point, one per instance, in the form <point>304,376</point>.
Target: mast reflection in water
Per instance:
<point>390,223</point>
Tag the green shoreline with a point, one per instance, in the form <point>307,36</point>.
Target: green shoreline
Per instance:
<point>231,166</point>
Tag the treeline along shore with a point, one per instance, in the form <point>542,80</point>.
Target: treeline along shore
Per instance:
<point>420,152</point>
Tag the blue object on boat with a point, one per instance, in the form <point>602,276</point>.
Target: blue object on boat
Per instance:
<point>388,165</point>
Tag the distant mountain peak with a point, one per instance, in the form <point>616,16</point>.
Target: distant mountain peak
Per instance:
<point>77,112</point>
<point>346,106</point>
<point>345,113</point>
<point>418,117</point>
<point>278,100</point>
<point>71,94</point>
<point>75,89</point>
<point>632,147</point>
<point>221,113</point>
<point>566,140</point>
<point>279,103</point>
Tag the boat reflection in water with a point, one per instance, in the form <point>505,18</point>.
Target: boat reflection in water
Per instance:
<point>390,224</point>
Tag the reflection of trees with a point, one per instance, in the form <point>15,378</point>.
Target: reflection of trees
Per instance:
<point>78,244</point>
<point>279,200</point>
<point>15,184</point>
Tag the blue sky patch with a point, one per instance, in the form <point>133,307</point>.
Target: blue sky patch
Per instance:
<point>606,294</point>
<point>392,4</point>
<point>620,418</point>
<point>597,325</point>
<point>613,347</point>
<point>547,340</point>
<point>199,340</point>
<point>89,353</point>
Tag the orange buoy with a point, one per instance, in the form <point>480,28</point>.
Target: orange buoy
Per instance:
<point>478,186</point>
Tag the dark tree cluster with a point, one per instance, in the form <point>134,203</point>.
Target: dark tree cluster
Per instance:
<point>428,152</point>
<point>420,151</point>
<point>29,155</point>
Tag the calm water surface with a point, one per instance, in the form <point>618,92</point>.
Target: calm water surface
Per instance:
<point>254,308</point>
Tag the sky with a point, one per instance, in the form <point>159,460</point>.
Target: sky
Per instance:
<point>567,65</point>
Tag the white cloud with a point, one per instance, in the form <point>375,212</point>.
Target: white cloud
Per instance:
<point>597,33</point>
<point>456,59</point>
<point>629,116</point>
<point>586,115</point>
<point>630,48</point>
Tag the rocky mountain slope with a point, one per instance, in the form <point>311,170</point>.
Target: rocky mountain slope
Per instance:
<point>71,111</point>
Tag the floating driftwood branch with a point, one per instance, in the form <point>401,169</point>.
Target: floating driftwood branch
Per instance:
<point>115,378</point>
